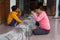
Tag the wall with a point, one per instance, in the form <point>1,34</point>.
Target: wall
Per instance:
<point>4,10</point>
<point>12,2</point>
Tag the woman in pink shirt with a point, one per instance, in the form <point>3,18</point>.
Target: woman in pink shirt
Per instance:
<point>43,21</point>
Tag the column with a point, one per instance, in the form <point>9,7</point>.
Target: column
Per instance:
<point>57,11</point>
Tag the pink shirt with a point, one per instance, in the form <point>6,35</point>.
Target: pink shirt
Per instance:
<point>43,20</point>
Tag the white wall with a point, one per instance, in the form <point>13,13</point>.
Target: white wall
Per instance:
<point>12,2</point>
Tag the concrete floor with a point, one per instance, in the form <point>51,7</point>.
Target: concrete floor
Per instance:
<point>53,35</point>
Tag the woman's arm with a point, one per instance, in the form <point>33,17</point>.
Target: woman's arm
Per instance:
<point>38,18</point>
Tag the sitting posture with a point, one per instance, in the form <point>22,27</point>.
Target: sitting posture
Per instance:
<point>14,16</point>
<point>42,21</point>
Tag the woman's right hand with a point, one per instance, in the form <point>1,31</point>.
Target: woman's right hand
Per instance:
<point>32,12</point>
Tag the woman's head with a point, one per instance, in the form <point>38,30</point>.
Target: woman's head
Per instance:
<point>39,9</point>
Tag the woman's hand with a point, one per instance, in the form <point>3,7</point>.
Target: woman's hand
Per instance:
<point>32,12</point>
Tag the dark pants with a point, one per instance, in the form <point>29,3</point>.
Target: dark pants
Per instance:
<point>40,31</point>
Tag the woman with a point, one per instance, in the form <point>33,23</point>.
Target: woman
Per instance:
<point>42,19</point>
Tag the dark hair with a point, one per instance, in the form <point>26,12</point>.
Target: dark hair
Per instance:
<point>14,8</point>
<point>39,7</point>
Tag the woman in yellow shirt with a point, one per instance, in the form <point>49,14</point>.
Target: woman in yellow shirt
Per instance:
<point>14,16</point>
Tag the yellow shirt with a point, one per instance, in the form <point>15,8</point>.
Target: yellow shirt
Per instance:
<point>13,15</point>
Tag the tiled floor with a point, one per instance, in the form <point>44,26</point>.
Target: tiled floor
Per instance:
<point>5,29</point>
<point>53,35</point>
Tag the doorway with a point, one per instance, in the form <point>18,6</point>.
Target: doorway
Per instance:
<point>51,7</point>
